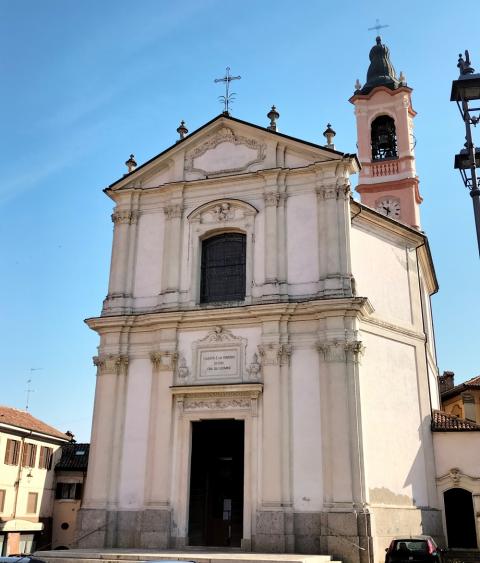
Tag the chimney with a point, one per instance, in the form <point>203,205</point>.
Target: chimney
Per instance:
<point>446,381</point>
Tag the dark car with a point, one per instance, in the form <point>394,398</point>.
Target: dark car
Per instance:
<point>419,549</point>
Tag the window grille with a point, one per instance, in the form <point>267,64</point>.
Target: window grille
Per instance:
<point>223,268</point>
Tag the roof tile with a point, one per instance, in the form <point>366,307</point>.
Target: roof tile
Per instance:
<point>74,458</point>
<point>24,420</point>
<point>444,422</point>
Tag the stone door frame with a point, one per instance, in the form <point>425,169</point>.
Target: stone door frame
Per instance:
<point>214,402</point>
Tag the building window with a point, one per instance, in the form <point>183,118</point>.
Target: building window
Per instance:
<point>12,452</point>
<point>384,138</point>
<point>45,459</point>
<point>29,455</point>
<point>2,500</point>
<point>223,268</point>
<point>469,407</point>
<point>68,491</point>
<point>32,501</point>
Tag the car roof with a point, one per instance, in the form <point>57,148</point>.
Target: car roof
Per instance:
<point>413,538</point>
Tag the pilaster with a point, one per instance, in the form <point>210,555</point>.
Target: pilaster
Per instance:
<point>172,253</point>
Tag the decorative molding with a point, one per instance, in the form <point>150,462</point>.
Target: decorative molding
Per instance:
<point>341,350</point>
<point>243,397</point>
<point>173,211</point>
<point>225,135</point>
<point>164,361</point>
<point>218,334</point>
<point>182,369</point>
<point>339,189</point>
<point>111,363</point>
<point>223,211</point>
<point>254,369</point>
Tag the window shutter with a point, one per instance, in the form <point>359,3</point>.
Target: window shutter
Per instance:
<point>2,500</point>
<point>8,452</point>
<point>24,454</point>
<point>78,491</point>
<point>41,458</point>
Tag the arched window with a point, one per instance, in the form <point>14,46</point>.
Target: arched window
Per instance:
<point>384,138</point>
<point>223,268</point>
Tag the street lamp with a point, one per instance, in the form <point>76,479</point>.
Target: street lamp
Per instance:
<point>465,90</point>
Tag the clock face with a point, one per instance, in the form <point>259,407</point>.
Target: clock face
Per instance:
<point>389,207</point>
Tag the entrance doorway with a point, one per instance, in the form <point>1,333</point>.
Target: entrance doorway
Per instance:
<point>460,518</point>
<point>216,483</point>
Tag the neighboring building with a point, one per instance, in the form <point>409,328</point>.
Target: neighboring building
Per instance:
<point>70,473</point>
<point>456,438</point>
<point>29,449</point>
<point>457,453</point>
<point>461,400</point>
<point>266,364</point>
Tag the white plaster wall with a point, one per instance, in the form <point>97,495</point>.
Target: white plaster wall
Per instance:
<point>137,411</point>
<point>148,264</point>
<point>457,449</point>
<point>391,422</point>
<point>302,247</point>
<point>306,431</point>
<point>381,272</point>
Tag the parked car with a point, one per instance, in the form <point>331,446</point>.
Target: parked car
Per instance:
<point>21,559</point>
<point>418,549</point>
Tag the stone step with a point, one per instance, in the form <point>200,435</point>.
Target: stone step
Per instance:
<point>462,556</point>
<point>199,556</point>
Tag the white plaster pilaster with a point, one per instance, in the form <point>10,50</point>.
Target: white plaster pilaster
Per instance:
<point>172,253</point>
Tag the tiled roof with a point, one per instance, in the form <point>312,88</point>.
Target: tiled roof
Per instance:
<point>444,422</point>
<point>24,420</point>
<point>74,458</point>
<point>473,383</point>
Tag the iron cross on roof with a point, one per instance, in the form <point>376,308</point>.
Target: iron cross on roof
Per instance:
<point>377,26</point>
<point>229,97</point>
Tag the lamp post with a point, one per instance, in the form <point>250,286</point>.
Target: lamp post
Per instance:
<point>464,90</point>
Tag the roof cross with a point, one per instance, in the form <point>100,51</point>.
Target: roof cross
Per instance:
<point>377,26</point>
<point>229,97</point>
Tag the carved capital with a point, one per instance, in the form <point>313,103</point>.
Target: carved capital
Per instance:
<point>173,211</point>
<point>111,363</point>
<point>124,217</point>
<point>269,354</point>
<point>284,354</point>
<point>341,350</point>
<point>164,361</point>
<point>271,199</point>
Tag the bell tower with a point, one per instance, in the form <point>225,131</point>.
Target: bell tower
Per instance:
<point>383,108</point>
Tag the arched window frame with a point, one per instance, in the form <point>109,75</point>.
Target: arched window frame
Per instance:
<point>214,218</point>
<point>374,118</point>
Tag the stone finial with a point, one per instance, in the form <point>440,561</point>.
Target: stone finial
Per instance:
<point>182,130</point>
<point>358,85</point>
<point>329,134</point>
<point>273,115</point>
<point>131,164</point>
<point>402,79</point>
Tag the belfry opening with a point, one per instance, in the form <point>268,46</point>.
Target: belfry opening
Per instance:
<point>216,483</point>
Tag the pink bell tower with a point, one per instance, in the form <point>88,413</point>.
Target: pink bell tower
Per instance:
<point>383,108</point>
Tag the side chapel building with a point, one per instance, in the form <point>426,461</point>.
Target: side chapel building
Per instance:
<point>266,367</point>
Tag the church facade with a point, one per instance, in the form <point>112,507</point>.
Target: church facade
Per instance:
<point>266,366</point>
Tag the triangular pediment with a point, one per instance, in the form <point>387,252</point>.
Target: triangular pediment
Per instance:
<point>226,146</point>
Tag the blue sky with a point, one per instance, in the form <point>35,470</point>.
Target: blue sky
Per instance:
<point>84,84</point>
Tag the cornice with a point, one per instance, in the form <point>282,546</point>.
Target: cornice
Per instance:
<point>242,315</point>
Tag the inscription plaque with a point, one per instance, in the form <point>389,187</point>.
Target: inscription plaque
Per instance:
<point>219,363</point>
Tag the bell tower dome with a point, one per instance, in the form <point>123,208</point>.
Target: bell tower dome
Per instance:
<point>384,113</point>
